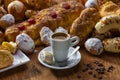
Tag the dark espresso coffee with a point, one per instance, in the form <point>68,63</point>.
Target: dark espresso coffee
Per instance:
<point>60,36</point>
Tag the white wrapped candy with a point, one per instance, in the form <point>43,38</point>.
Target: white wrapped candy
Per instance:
<point>45,34</point>
<point>61,29</point>
<point>94,46</point>
<point>47,57</point>
<point>25,43</point>
<point>91,3</point>
<point>7,20</point>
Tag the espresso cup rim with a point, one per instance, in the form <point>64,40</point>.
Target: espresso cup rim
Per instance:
<point>68,36</point>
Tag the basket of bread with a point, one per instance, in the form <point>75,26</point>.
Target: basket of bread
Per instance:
<point>26,24</point>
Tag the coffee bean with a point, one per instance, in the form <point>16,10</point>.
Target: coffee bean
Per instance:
<point>100,78</point>
<point>78,76</point>
<point>96,62</point>
<point>85,69</point>
<point>89,65</point>
<point>110,68</point>
<point>100,65</point>
<point>100,70</point>
<point>94,75</point>
<point>90,73</point>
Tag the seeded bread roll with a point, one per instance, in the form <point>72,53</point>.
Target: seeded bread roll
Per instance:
<point>84,24</point>
<point>108,23</point>
<point>112,45</point>
<point>62,14</point>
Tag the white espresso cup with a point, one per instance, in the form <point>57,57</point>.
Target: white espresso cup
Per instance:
<point>60,43</point>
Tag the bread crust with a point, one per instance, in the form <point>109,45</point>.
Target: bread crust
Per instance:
<point>6,58</point>
<point>52,17</point>
<point>84,24</point>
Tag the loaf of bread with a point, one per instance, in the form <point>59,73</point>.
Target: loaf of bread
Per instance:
<point>40,4</point>
<point>62,14</point>
<point>84,24</point>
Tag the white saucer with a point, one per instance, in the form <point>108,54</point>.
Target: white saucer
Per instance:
<point>72,61</point>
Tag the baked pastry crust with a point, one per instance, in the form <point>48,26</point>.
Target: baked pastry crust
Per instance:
<point>6,58</point>
<point>84,24</point>
<point>108,8</point>
<point>62,14</point>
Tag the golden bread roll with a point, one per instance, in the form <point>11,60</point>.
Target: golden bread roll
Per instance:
<point>104,1</point>
<point>108,23</point>
<point>108,8</point>
<point>112,45</point>
<point>62,14</point>
<point>11,33</point>
<point>17,9</point>
<point>84,24</point>
<point>6,58</point>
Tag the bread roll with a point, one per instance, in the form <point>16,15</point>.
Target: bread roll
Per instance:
<point>101,2</point>
<point>108,23</point>
<point>112,45</point>
<point>62,14</point>
<point>6,58</point>
<point>109,8</point>
<point>17,9</point>
<point>84,24</point>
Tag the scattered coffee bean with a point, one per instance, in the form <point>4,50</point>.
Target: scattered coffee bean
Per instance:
<point>90,72</point>
<point>100,78</point>
<point>85,69</point>
<point>78,76</point>
<point>110,68</point>
<point>96,68</point>
<point>96,62</point>
<point>100,65</point>
<point>100,70</point>
<point>94,75</point>
<point>89,65</point>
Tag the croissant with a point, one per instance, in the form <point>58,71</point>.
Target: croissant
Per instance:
<point>62,14</point>
<point>84,24</point>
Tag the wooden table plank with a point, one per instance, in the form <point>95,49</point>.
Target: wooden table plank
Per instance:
<point>33,70</point>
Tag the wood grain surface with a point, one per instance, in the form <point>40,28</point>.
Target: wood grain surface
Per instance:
<point>33,70</point>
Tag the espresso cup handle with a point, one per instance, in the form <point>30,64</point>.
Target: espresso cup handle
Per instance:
<point>74,40</point>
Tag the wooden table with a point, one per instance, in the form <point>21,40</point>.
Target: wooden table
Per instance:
<point>33,70</point>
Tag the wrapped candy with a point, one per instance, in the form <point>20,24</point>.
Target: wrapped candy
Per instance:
<point>45,34</point>
<point>61,29</point>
